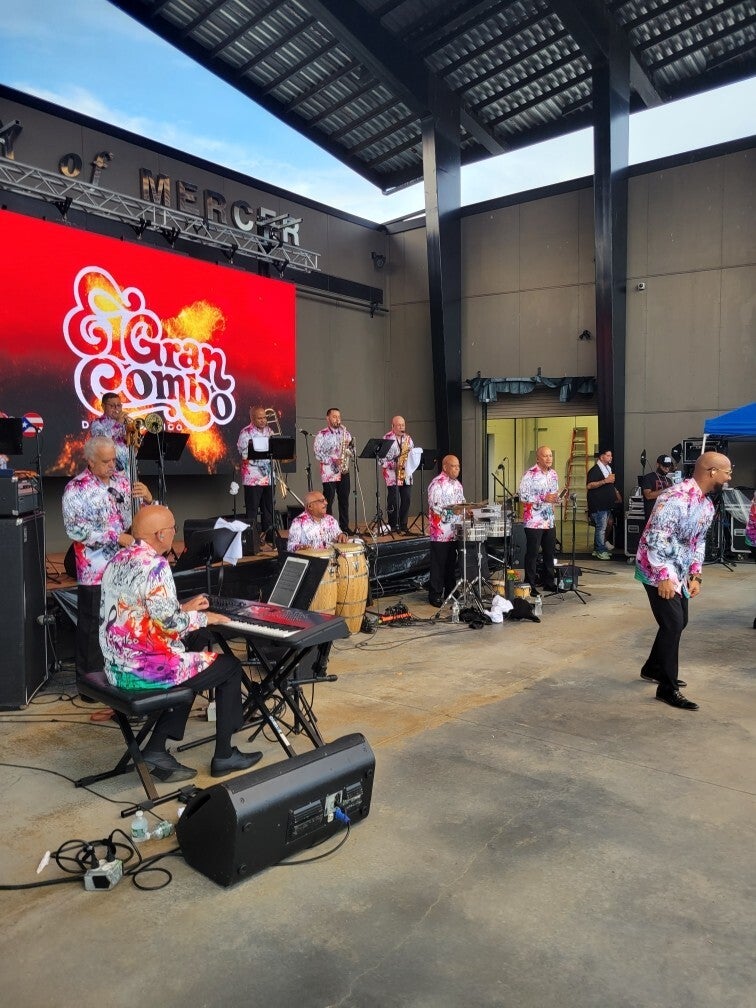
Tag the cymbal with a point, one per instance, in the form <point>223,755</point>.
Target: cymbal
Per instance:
<point>459,508</point>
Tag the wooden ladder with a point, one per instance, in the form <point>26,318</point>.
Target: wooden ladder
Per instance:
<point>577,470</point>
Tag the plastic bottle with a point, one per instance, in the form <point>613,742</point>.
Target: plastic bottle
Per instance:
<point>455,611</point>
<point>162,830</point>
<point>538,607</point>
<point>139,829</point>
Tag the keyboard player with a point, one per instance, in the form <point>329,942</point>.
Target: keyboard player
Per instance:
<point>149,641</point>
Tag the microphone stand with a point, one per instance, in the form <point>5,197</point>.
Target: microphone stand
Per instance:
<point>308,467</point>
<point>355,481</point>
<point>562,591</point>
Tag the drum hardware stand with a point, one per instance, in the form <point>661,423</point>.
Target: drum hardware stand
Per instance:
<point>377,448</point>
<point>463,591</point>
<point>428,461</point>
<point>562,592</point>
<point>718,525</point>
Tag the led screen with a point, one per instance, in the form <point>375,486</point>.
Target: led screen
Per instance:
<point>81,315</point>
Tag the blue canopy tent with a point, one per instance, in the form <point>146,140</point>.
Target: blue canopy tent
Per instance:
<point>739,423</point>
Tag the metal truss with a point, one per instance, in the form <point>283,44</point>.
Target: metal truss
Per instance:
<point>140,215</point>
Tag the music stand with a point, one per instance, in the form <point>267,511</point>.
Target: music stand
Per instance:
<point>167,446</point>
<point>428,461</point>
<point>204,548</point>
<point>377,448</point>
<point>11,436</point>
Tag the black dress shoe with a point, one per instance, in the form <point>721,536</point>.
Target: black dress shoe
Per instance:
<point>165,767</point>
<point>681,683</point>
<point>675,699</point>
<point>534,593</point>
<point>222,765</point>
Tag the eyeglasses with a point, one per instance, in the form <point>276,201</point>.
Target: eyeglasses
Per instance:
<point>720,469</point>
<point>319,500</point>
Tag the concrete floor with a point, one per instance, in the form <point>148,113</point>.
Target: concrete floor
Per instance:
<point>542,832</point>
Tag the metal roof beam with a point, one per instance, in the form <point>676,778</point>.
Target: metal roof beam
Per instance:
<point>390,61</point>
<point>599,36</point>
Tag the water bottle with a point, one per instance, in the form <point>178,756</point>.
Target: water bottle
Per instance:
<point>162,830</point>
<point>455,611</point>
<point>538,607</point>
<point>139,829</point>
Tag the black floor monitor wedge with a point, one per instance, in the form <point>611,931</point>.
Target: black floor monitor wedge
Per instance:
<point>234,829</point>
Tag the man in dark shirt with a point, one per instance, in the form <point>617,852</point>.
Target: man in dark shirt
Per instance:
<point>656,482</point>
<point>603,496</point>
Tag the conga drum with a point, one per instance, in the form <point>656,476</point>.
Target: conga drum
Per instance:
<point>352,583</point>
<point>324,599</point>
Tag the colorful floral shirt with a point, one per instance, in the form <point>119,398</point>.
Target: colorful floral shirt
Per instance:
<point>254,472</point>
<point>306,533</point>
<point>328,447</point>
<point>750,532</point>
<point>94,515</point>
<point>673,542</point>
<point>535,486</point>
<point>105,426</point>
<point>141,623</point>
<point>443,491</point>
<point>388,464</point>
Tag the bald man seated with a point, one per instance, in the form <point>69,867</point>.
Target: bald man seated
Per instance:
<point>669,562</point>
<point>314,528</point>
<point>149,641</point>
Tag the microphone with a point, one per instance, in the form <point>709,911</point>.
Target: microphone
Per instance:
<point>306,433</point>
<point>500,466</point>
<point>573,497</point>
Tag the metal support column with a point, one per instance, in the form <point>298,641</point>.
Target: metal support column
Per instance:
<point>611,108</point>
<point>441,169</point>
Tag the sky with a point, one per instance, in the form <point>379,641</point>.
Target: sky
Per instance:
<point>88,56</point>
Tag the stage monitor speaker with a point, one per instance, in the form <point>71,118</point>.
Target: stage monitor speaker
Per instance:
<point>234,829</point>
<point>23,643</point>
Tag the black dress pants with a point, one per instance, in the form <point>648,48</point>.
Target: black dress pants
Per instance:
<point>224,675</point>
<point>671,616</point>
<point>397,506</point>
<point>339,488</point>
<point>443,570</point>
<point>545,540</point>
<point>260,497</point>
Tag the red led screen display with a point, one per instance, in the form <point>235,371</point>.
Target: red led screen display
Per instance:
<point>81,315</point>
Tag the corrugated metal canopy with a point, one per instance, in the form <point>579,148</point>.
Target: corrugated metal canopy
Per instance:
<point>358,77</point>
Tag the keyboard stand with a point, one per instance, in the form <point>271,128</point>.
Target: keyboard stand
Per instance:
<point>273,685</point>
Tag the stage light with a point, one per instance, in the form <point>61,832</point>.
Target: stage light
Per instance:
<point>584,335</point>
<point>379,260</point>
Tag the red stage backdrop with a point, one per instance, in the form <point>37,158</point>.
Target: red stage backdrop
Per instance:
<point>81,315</point>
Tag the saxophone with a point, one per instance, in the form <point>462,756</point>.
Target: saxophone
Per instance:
<point>401,462</point>
<point>345,453</point>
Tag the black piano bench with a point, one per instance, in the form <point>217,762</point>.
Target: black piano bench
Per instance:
<point>132,704</point>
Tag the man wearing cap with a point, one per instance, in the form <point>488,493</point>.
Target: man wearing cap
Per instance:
<point>656,482</point>
<point>603,496</point>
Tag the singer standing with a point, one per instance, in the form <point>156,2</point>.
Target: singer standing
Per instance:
<point>256,476</point>
<point>334,449</point>
<point>398,481</point>
<point>96,515</point>
<point>539,492</point>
